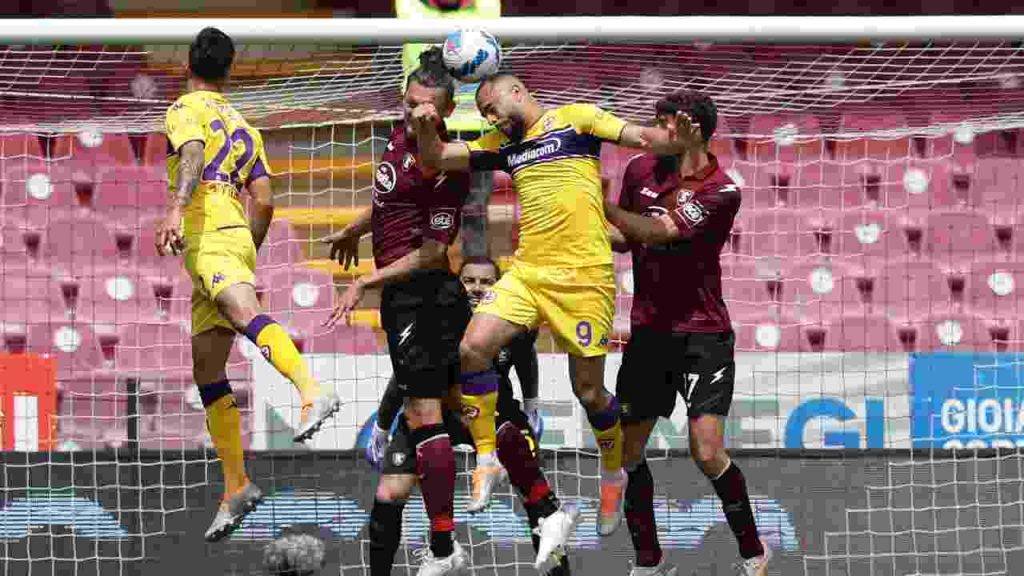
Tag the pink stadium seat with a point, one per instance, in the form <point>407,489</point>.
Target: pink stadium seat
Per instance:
<point>769,333</point>
<point>116,295</point>
<point>860,332</point>
<point>75,345</point>
<point>913,287</point>
<point>781,232</point>
<point>762,185</point>
<point>869,234</point>
<point>29,294</point>
<point>16,246</point>
<point>957,235</point>
<point>749,284</point>
<point>31,189</point>
<point>886,148</point>
<point>130,186</point>
<point>19,146</point>
<point>156,348</point>
<point>916,183</point>
<point>281,247</point>
<point>789,138</point>
<point>298,298</point>
<point>156,150</point>
<point>957,144</point>
<point>998,184</point>
<point>103,148</point>
<point>951,331</point>
<point>1008,228</point>
<point>818,289</point>
<point>996,289</point>
<point>80,241</point>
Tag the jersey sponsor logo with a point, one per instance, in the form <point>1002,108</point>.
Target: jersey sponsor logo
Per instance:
<point>265,350</point>
<point>549,123</point>
<point>385,177</point>
<point>442,221</point>
<point>405,334</point>
<point>645,191</point>
<point>542,149</point>
<point>408,161</point>
<point>217,279</point>
<point>692,212</point>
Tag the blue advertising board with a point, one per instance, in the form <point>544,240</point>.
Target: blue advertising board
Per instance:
<point>967,400</point>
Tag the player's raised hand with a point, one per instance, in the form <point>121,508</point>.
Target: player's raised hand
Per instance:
<point>344,247</point>
<point>345,302</point>
<point>424,115</point>
<point>685,132</point>
<point>168,238</point>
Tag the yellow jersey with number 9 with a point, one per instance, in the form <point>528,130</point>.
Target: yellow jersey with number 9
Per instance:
<point>556,171</point>
<point>233,156</point>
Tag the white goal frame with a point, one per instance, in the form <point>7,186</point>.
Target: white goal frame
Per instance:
<point>773,29</point>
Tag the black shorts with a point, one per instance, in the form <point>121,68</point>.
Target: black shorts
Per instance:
<point>658,365</point>
<point>400,456</point>
<point>424,319</point>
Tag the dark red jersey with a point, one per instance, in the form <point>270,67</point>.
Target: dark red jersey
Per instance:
<point>409,205</point>
<point>677,287</point>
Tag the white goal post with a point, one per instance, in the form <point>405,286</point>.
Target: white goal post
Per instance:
<point>769,29</point>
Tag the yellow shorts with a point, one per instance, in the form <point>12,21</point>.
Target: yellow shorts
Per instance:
<point>215,260</point>
<point>578,303</point>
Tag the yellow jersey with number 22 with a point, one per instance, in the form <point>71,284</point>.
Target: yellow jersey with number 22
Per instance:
<point>233,156</point>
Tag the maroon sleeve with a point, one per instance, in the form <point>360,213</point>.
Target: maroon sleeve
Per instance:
<point>709,212</point>
<point>444,213</point>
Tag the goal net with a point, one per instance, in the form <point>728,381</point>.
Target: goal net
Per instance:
<point>878,238</point>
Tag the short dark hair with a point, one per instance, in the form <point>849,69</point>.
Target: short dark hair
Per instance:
<point>211,54</point>
<point>700,107</point>
<point>432,72</point>
<point>491,80</point>
<point>480,260</point>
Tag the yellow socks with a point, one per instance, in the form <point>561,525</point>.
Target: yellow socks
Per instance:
<point>479,404</point>
<point>277,347</point>
<point>225,425</point>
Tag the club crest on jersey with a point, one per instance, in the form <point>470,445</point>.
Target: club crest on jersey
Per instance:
<point>217,279</point>
<point>385,177</point>
<point>503,355</point>
<point>442,221</point>
<point>549,123</point>
<point>684,196</point>
<point>408,161</point>
<point>470,412</point>
<point>397,459</point>
<point>606,444</point>
<point>693,212</point>
<point>488,297</point>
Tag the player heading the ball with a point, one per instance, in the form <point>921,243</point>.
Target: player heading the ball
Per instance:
<point>562,273</point>
<point>215,154</point>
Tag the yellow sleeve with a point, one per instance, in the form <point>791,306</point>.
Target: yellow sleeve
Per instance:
<point>590,119</point>
<point>183,124</point>
<point>261,167</point>
<point>489,142</point>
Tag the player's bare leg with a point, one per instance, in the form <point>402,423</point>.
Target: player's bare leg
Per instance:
<point>210,350</point>
<point>639,505</point>
<point>707,445</point>
<point>239,304</point>
<point>587,376</point>
<point>484,338</point>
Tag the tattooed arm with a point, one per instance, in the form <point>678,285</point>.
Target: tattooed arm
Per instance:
<point>190,167</point>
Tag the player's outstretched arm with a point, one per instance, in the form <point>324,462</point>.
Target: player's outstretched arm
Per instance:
<point>263,209</point>
<point>639,228</point>
<point>677,138</point>
<point>436,154</point>
<point>345,242</point>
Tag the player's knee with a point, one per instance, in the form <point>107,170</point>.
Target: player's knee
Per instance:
<point>593,398</point>
<point>420,412</point>
<point>473,354</point>
<point>393,489</point>
<point>710,458</point>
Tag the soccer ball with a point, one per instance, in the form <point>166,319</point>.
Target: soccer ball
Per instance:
<point>471,55</point>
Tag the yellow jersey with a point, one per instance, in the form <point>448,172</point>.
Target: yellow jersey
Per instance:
<point>556,170</point>
<point>233,156</point>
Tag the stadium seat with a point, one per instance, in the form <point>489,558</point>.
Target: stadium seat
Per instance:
<point>29,294</point>
<point>762,185</point>
<point>127,185</point>
<point>74,345</point>
<point>298,298</point>
<point>998,184</point>
<point>876,146</point>
<point>912,287</point>
<point>859,332</point>
<point>80,241</point>
<point>15,242</point>
<point>156,150</point>
<point>769,333</point>
<point>103,148</point>
<point>116,295</point>
<point>871,234</point>
<point>916,183</point>
<point>957,144</point>
<point>951,330</point>
<point>19,147</point>
<point>957,235</point>
<point>788,138</point>
<point>782,232</point>
<point>749,284</point>
<point>154,349</point>
<point>31,189</point>
<point>995,289</point>
<point>819,289</point>
<point>281,247</point>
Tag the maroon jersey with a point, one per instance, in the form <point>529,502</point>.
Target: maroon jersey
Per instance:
<point>408,205</point>
<point>678,286</point>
